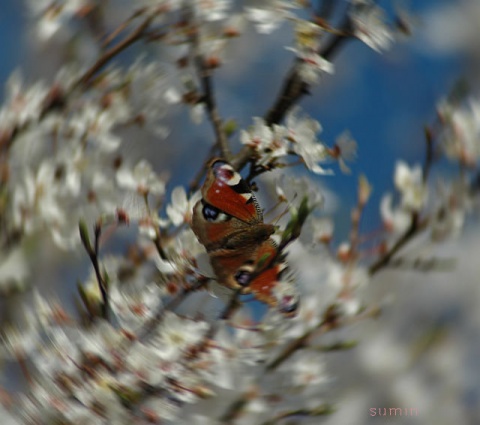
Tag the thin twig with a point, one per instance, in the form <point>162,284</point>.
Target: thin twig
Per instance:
<point>148,328</point>
<point>416,226</point>
<point>122,27</point>
<point>136,35</point>
<point>101,280</point>
<point>205,75</point>
<point>429,155</point>
<point>323,409</point>
<point>93,255</point>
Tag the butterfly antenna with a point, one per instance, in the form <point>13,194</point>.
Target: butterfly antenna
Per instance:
<point>285,210</point>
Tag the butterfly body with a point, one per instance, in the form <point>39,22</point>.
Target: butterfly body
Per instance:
<point>229,223</point>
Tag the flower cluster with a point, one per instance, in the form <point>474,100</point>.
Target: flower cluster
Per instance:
<point>151,365</point>
<point>297,137</point>
<point>70,164</point>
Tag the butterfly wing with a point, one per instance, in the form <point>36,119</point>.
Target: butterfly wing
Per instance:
<point>217,230</point>
<point>225,189</point>
<point>270,283</point>
<point>258,271</point>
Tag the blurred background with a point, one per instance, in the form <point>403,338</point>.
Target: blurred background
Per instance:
<point>423,351</point>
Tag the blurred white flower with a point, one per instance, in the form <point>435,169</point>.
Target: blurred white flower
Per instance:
<point>141,178</point>
<point>308,317</point>
<point>14,269</point>
<point>369,26</point>
<point>95,123</point>
<point>152,91</point>
<point>22,104</point>
<point>101,341</point>
<point>384,355</point>
<point>35,201</point>
<point>293,190</point>
<point>134,305</point>
<point>212,10</point>
<point>460,132</point>
<point>307,368</point>
<point>177,335</point>
<point>395,220</point>
<point>20,341</point>
<point>302,131</point>
<point>409,182</point>
<point>269,142</point>
<point>452,203</point>
<point>146,363</point>
<point>270,15</point>
<point>179,210</point>
<point>51,16</point>
<point>159,409</point>
<point>317,230</point>
<point>345,150</point>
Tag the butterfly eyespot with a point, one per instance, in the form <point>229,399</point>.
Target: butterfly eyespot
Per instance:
<point>243,277</point>
<point>210,213</point>
<point>225,173</point>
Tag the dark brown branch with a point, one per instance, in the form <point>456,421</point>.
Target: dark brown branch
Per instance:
<point>121,27</point>
<point>323,409</point>
<point>416,226</point>
<point>204,72</point>
<point>288,351</point>
<point>429,155</point>
<point>149,327</point>
<point>136,35</point>
<point>93,255</point>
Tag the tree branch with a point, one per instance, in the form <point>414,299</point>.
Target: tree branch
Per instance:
<point>136,35</point>
<point>205,75</point>
<point>415,227</point>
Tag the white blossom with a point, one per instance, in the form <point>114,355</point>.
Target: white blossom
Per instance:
<point>176,335</point>
<point>269,142</point>
<point>345,150</point>
<point>270,15</point>
<point>369,26</point>
<point>460,134</point>
<point>152,91</point>
<point>452,203</point>
<point>21,104</point>
<point>141,178</point>
<point>396,220</point>
<point>306,369</point>
<point>14,269</point>
<point>408,180</point>
<point>302,131</point>
<point>212,10</point>
<point>179,211</point>
<point>52,16</point>
<point>35,200</point>
<point>132,305</point>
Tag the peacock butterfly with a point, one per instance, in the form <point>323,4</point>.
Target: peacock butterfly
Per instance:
<point>229,222</point>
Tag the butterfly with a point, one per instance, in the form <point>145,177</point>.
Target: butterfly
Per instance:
<point>228,221</point>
